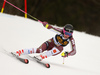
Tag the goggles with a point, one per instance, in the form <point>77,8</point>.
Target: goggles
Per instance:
<point>67,32</point>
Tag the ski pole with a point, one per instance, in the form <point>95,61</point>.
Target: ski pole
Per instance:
<point>63,60</point>
<point>22,11</point>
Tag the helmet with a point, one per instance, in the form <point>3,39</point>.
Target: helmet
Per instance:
<point>68,28</point>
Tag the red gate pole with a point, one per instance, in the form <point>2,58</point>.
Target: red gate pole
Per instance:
<point>25,2</point>
<point>3,6</point>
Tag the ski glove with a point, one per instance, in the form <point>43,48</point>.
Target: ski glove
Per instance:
<point>44,23</point>
<point>64,54</point>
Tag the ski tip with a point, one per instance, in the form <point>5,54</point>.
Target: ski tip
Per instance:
<point>47,65</point>
<point>26,61</point>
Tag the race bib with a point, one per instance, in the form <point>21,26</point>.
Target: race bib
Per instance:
<point>62,41</point>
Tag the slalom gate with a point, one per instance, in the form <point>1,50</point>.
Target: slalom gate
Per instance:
<point>25,5</point>
<point>25,12</point>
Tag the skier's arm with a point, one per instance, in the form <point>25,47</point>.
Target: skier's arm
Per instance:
<point>51,28</point>
<point>73,52</point>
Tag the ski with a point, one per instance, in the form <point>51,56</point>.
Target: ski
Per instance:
<point>39,61</point>
<point>26,61</point>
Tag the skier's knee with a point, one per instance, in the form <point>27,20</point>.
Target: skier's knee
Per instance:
<point>39,51</point>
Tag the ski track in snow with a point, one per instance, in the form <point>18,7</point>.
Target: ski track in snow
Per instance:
<point>19,33</point>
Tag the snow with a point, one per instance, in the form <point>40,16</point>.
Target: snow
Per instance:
<point>20,33</point>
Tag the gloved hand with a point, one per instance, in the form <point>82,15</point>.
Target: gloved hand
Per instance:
<point>44,23</point>
<point>64,54</point>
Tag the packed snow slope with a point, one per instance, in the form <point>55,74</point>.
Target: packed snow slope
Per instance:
<point>19,33</point>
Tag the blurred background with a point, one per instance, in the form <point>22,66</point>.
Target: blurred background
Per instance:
<point>84,15</point>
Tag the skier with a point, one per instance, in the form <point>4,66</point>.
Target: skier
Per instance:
<point>54,45</point>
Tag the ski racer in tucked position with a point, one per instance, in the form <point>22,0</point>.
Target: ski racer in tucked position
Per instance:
<point>54,45</point>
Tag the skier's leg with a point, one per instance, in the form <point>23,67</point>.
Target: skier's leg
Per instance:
<point>54,51</point>
<point>32,50</point>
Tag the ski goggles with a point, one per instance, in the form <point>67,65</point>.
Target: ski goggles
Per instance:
<point>67,32</point>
